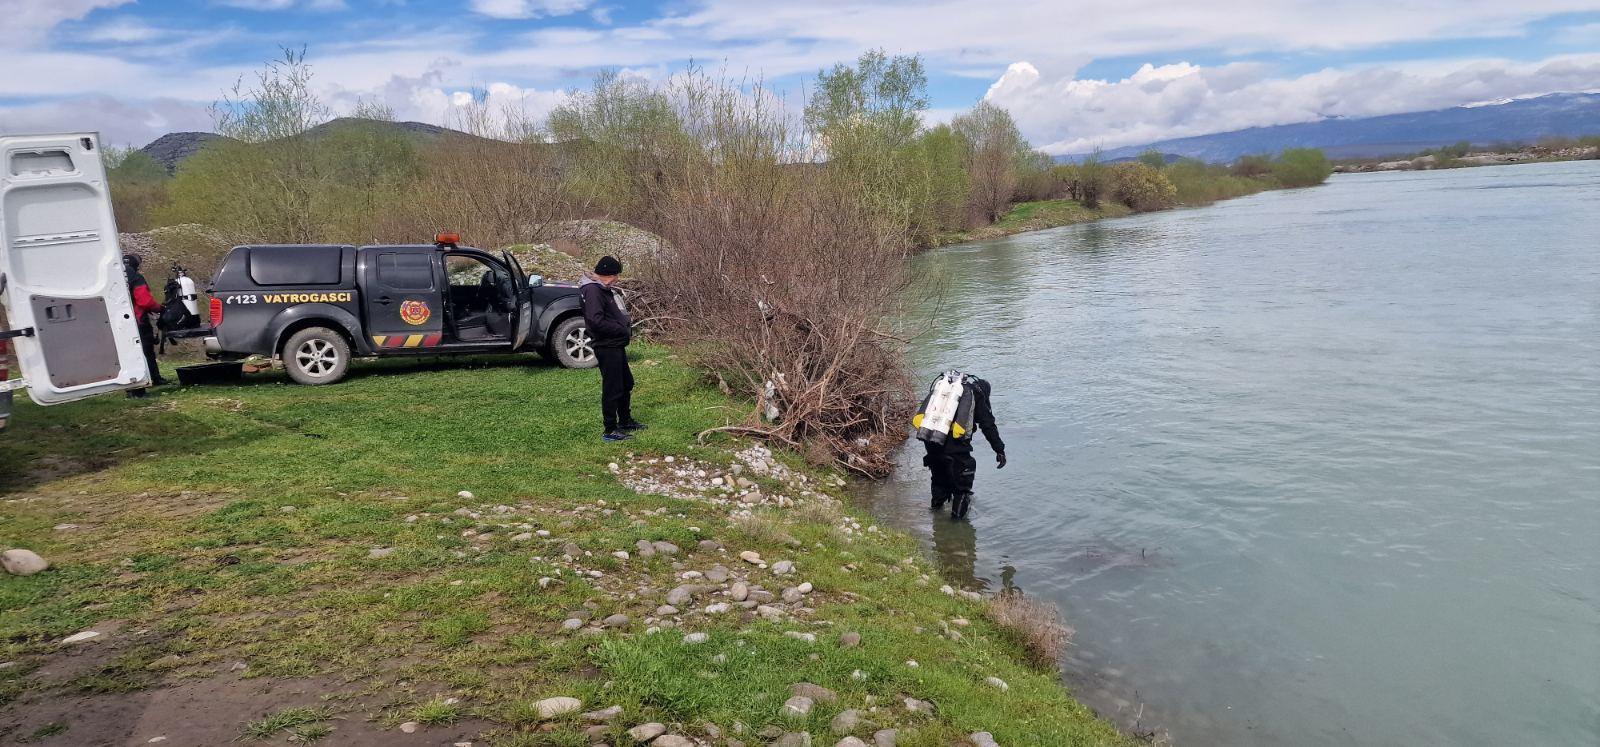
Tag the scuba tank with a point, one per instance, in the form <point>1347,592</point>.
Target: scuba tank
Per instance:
<point>181,310</point>
<point>947,410</point>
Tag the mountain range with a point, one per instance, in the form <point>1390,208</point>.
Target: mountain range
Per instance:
<point>173,148</point>
<point>1520,120</point>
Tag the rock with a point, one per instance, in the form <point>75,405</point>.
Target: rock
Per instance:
<point>571,549</point>
<point>913,662</point>
<point>620,555</point>
<point>683,595</point>
<point>604,714</point>
<point>793,739</point>
<point>616,621</point>
<point>798,706</point>
<point>465,495</point>
<point>87,635</point>
<point>850,742</point>
<point>918,706</point>
<point>960,622</point>
<point>850,640</point>
<point>847,721</point>
<point>739,592</point>
<point>694,638</point>
<point>156,740</point>
<point>410,727</point>
<point>997,683</point>
<point>816,693</point>
<point>750,556</point>
<point>710,545</point>
<point>380,552</point>
<point>716,609</point>
<point>571,623</point>
<point>647,732</point>
<point>858,675</point>
<point>717,574</point>
<point>982,739</point>
<point>523,537</point>
<point>665,610</point>
<point>797,635</point>
<point>783,567</point>
<point>884,737</point>
<point>672,740</point>
<point>553,707</point>
<point>805,588</point>
<point>792,595</point>
<point>665,548</point>
<point>21,562</point>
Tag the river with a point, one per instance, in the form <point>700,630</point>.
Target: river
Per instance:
<point>1311,467</point>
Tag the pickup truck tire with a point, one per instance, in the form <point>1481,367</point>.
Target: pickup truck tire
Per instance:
<point>316,356</point>
<point>571,345</point>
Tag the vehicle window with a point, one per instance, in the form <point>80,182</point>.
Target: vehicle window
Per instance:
<point>406,271</point>
<point>295,265</point>
<point>465,270</point>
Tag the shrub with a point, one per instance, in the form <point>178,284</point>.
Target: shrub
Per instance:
<point>1301,167</point>
<point>1034,624</point>
<point>1252,166</point>
<point>1142,188</point>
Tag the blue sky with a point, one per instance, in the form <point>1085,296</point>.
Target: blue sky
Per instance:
<point>1074,74</point>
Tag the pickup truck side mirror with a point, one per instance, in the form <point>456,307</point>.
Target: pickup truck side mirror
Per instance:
<point>535,281</point>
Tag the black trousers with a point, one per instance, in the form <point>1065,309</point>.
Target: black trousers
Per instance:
<point>147,339</point>
<point>953,471</point>
<point>616,387</point>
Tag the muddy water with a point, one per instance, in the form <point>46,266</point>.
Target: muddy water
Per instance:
<point>1310,467</point>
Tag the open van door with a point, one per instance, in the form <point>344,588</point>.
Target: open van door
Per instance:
<point>61,267</point>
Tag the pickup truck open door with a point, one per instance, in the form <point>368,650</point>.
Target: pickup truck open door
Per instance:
<point>521,303</point>
<point>67,305</point>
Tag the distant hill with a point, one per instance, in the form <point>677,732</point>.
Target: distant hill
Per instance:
<point>1557,114</point>
<point>173,148</point>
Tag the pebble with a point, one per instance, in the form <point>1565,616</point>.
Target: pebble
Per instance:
<point>739,592</point>
<point>21,562</point>
<point>545,581</point>
<point>982,739</point>
<point>850,640</point>
<point>797,635</point>
<point>666,609</point>
<point>996,682</point>
<point>614,467</point>
<point>647,732</point>
<point>783,567</point>
<point>571,623</point>
<point>817,693</point>
<point>682,595</point>
<point>542,532</point>
<point>805,588</point>
<point>604,714</point>
<point>572,550</point>
<point>918,706</point>
<point>717,574</point>
<point>523,537</point>
<point>646,549</point>
<point>850,742</point>
<point>81,637</point>
<point>793,739</point>
<point>750,556</point>
<point>616,621</point>
<point>465,495</point>
<point>884,737</point>
<point>620,555</point>
<point>858,675</point>
<point>716,609</point>
<point>155,740</point>
<point>694,638</point>
<point>798,706</point>
<point>710,545</point>
<point>792,595</point>
<point>769,612</point>
<point>669,459</point>
<point>553,707</point>
<point>665,548</point>
<point>672,740</point>
<point>912,663</point>
<point>410,727</point>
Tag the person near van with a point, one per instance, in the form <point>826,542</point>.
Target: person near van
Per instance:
<point>956,404</point>
<point>144,305</point>
<point>610,330</point>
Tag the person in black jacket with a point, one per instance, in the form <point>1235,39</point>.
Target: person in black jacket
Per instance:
<point>610,330</point>
<point>951,461</point>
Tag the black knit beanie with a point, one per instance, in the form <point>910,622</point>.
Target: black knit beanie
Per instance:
<point>608,265</point>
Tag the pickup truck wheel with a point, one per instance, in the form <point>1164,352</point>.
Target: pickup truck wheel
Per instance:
<point>571,344</point>
<point>316,355</point>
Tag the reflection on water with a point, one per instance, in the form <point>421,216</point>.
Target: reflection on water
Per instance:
<point>1311,467</point>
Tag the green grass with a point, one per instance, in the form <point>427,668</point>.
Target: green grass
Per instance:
<point>1036,216</point>
<point>235,523</point>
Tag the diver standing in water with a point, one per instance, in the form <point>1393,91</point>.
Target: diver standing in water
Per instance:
<point>956,402</point>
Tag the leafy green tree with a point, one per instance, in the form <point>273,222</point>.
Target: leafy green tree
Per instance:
<point>620,134</point>
<point>1253,166</point>
<point>1153,158</point>
<point>1143,188</point>
<point>994,146</point>
<point>1301,167</point>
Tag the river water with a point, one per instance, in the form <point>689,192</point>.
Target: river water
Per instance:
<point>1312,467</point>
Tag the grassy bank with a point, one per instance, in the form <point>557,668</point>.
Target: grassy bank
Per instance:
<point>279,563</point>
<point>1036,216</point>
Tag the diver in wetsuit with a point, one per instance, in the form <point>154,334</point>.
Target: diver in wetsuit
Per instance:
<point>956,403</point>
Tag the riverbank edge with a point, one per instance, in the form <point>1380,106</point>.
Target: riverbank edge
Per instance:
<point>918,638</point>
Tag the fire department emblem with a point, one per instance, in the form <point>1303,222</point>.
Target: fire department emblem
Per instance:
<point>415,312</point>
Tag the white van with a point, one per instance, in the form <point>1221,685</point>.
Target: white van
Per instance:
<point>61,278</point>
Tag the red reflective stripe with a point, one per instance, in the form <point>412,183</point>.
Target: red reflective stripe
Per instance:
<point>432,340</point>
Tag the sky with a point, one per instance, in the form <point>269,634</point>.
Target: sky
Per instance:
<point>1075,75</point>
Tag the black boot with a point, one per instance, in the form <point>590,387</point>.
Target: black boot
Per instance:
<point>959,505</point>
<point>938,500</point>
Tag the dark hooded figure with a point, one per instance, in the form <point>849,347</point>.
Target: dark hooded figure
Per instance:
<point>144,304</point>
<point>610,330</point>
<point>956,405</point>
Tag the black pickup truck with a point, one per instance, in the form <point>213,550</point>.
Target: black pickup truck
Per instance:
<point>314,306</point>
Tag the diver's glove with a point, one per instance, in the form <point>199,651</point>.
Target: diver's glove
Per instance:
<point>999,460</point>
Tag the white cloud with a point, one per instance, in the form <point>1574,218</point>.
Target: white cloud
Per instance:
<point>27,21</point>
<point>118,122</point>
<point>273,5</point>
<point>528,8</point>
<point>1063,114</point>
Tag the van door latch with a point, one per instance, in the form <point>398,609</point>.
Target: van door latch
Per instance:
<point>12,334</point>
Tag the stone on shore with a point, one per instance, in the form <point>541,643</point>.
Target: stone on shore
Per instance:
<point>604,714</point>
<point>673,740</point>
<point>739,592</point>
<point>850,742</point>
<point>998,683</point>
<point>19,562</point>
<point>817,693</point>
<point>694,638</point>
<point>553,707</point>
<point>798,706</point>
<point>616,621</point>
<point>783,567</point>
<point>847,721</point>
<point>884,737</point>
<point>647,732</point>
<point>793,739</point>
<point>982,739</point>
<point>850,640</point>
